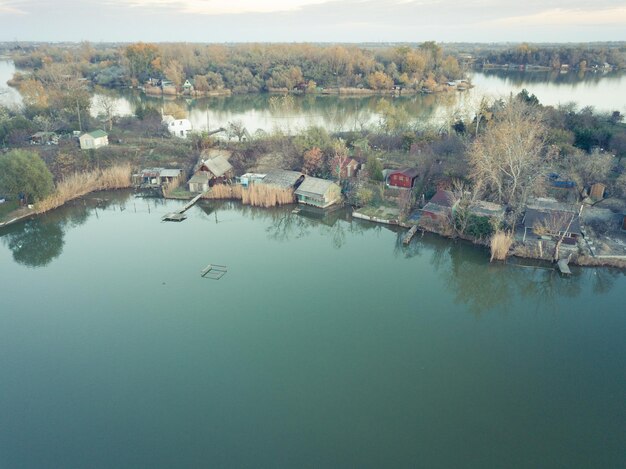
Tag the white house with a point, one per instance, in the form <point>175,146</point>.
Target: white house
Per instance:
<point>93,140</point>
<point>177,127</point>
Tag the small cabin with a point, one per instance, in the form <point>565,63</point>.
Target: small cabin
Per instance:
<point>318,192</point>
<point>404,178</point>
<point>439,207</point>
<point>596,192</point>
<point>93,140</point>
<point>154,177</point>
<point>210,172</point>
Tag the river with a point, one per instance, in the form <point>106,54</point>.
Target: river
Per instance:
<point>603,92</point>
<point>327,344</point>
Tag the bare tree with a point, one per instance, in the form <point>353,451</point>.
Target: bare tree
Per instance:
<point>509,158</point>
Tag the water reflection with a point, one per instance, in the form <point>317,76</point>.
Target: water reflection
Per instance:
<point>37,242</point>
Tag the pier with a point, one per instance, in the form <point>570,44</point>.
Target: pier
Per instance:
<point>180,215</point>
<point>409,236</point>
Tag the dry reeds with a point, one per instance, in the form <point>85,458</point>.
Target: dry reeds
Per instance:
<point>500,244</point>
<point>257,195</point>
<point>79,184</point>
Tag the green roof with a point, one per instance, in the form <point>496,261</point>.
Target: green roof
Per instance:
<point>97,133</point>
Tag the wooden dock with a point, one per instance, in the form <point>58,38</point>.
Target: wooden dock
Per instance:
<point>180,215</point>
<point>563,267</point>
<point>409,236</point>
<point>174,216</point>
<point>191,203</point>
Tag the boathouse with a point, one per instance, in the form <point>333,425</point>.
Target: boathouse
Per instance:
<point>553,223</point>
<point>440,206</point>
<point>282,178</point>
<point>318,192</point>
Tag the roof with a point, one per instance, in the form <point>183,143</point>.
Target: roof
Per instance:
<point>487,209</point>
<point>282,177</point>
<point>43,134</point>
<point>96,133</point>
<point>410,172</point>
<point>218,166</point>
<point>442,198</point>
<point>170,173</point>
<point>314,186</point>
<point>199,178</point>
<point>151,172</point>
<point>562,217</point>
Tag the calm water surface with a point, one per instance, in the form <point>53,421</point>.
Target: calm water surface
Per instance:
<point>603,92</point>
<point>327,344</point>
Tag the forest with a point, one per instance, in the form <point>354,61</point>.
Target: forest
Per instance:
<point>249,68</point>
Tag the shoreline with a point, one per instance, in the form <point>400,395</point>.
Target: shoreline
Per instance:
<point>580,260</point>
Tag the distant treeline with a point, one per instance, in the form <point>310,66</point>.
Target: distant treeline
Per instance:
<point>252,67</point>
<point>580,57</point>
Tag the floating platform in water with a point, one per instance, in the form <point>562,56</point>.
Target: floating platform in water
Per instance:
<point>214,271</point>
<point>174,216</point>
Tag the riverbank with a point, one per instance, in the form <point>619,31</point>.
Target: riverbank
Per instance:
<point>73,187</point>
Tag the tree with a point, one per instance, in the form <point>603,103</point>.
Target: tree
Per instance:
<point>379,81</point>
<point>141,58</point>
<point>175,73</point>
<point>313,161</point>
<point>507,160</point>
<point>340,158</point>
<point>107,106</point>
<point>374,168</point>
<point>24,173</point>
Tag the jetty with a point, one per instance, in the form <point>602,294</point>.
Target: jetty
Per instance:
<point>409,236</point>
<point>180,214</point>
<point>563,267</point>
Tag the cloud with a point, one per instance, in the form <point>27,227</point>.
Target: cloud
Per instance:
<point>221,7</point>
<point>566,17</point>
<point>9,7</point>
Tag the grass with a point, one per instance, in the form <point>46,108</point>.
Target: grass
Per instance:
<point>8,207</point>
<point>79,184</point>
<point>500,244</point>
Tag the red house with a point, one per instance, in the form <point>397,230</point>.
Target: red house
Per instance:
<point>402,178</point>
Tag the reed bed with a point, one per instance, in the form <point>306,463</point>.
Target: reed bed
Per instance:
<point>79,184</point>
<point>500,244</point>
<point>257,195</point>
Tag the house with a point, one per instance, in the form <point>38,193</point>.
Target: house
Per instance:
<point>44,138</point>
<point>199,182</point>
<point>318,192</point>
<point>552,222</point>
<point>403,178</point>
<point>152,177</point>
<point>93,140</point>
<point>348,168</point>
<point>283,178</point>
<point>210,172</point>
<point>439,207</point>
<point>177,127</point>
<point>188,86</point>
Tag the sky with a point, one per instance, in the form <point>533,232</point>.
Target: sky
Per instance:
<point>313,20</point>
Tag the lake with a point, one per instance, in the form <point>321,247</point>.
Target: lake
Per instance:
<point>327,344</point>
<point>340,113</point>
